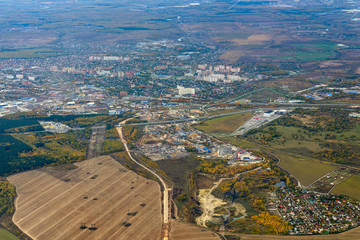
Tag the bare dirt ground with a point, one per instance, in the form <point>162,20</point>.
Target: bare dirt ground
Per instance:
<point>327,64</point>
<point>233,55</point>
<point>208,203</point>
<point>185,231</point>
<point>53,204</point>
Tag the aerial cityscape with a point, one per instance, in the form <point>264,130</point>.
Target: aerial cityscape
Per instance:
<point>173,120</point>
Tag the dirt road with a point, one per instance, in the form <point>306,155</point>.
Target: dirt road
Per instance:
<point>166,206</point>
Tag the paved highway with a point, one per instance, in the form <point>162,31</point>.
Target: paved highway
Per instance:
<point>287,106</point>
<point>207,117</point>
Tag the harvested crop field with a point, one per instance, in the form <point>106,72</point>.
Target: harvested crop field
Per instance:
<point>181,231</point>
<point>253,39</point>
<point>54,204</point>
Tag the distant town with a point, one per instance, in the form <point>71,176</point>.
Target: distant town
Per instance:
<point>216,120</point>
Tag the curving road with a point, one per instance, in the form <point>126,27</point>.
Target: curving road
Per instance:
<point>204,118</point>
<point>289,106</point>
<point>166,189</point>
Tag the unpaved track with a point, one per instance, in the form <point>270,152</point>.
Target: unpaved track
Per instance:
<point>166,205</point>
<point>48,207</point>
<point>96,141</point>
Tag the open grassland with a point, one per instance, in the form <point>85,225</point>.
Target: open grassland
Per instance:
<point>262,47</point>
<point>226,124</point>
<point>306,170</point>
<point>5,235</point>
<point>306,52</point>
<point>348,235</point>
<point>293,83</point>
<point>26,40</point>
<point>178,169</point>
<point>304,145</point>
<point>28,53</point>
<point>350,187</point>
<point>181,230</point>
<point>309,143</point>
<point>53,204</point>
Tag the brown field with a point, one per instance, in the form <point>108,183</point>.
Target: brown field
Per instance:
<point>253,39</point>
<point>28,39</point>
<point>182,231</point>
<point>223,27</point>
<point>327,64</point>
<point>233,55</point>
<point>349,235</point>
<point>236,51</point>
<point>100,37</point>
<point>53,204</point>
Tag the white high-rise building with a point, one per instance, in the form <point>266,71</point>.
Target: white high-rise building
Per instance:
<point>184,91</point>
<point>112,58</point>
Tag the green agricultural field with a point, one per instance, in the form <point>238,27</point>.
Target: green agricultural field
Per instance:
<point>5,235</point>
<point>223,125</point>
<point>304,169</point>
<point>307,56</point>
<point>29,53</point>
<point>307,52</point>
<point>350,187</point>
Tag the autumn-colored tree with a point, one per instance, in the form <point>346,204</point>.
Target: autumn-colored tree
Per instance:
<point>274,224</point>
